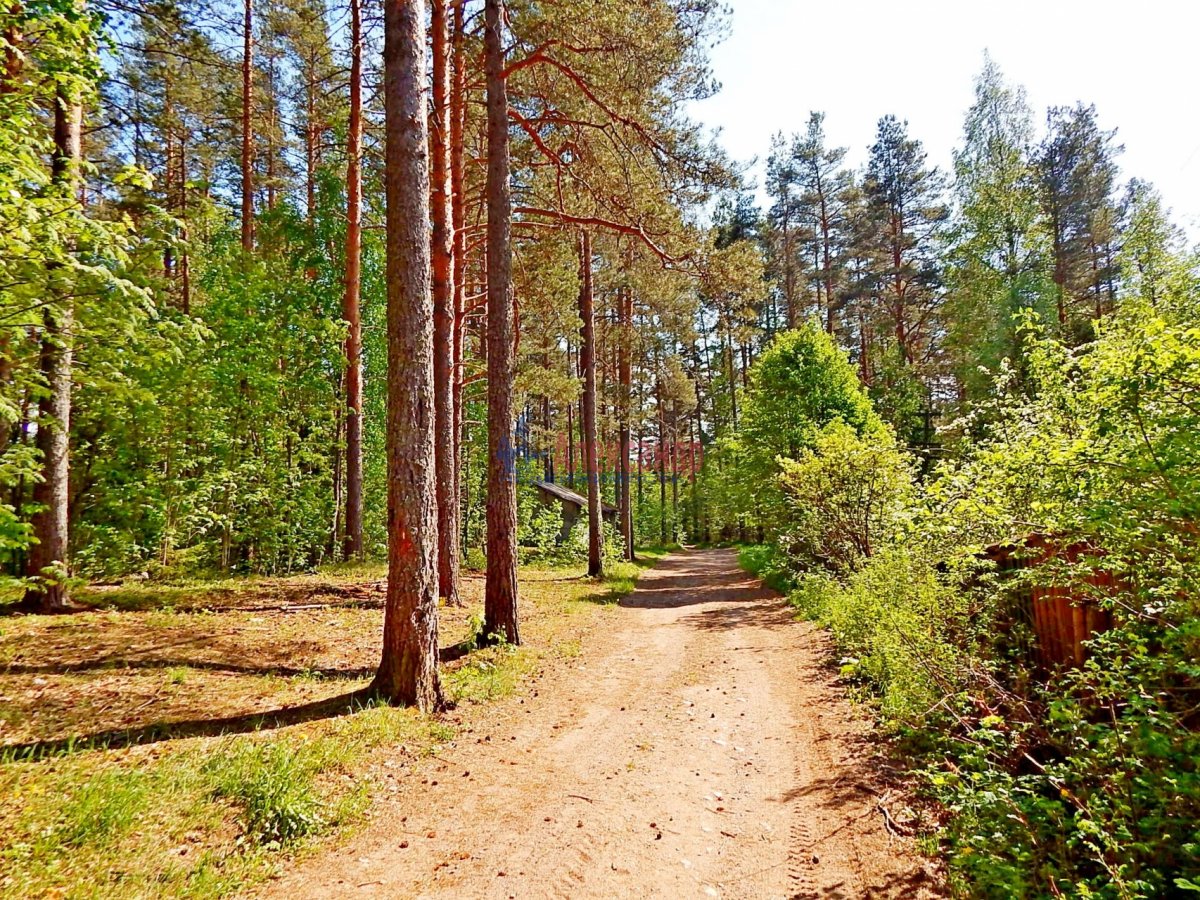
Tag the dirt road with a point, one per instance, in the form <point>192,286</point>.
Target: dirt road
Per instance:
<point>698,746</point>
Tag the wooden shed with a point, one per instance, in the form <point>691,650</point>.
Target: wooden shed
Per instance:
<point>1061,617</point>
<point>572,504</point>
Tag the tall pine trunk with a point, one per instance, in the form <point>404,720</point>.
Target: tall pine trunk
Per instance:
<point>625,391</point>
<point>587,366</point>
<point>662,460</point>
<point>458,113</point>
<point>247,126</point>
<point>351,303</point>
<point>500,593</point>
<point>51,524</point>
<point>444,313</point>
<point>408,670</point>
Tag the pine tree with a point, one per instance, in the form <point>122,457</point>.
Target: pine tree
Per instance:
<point>1076,175</point>
<point>500,598</point>
<point>408,670</point>
<point>905,208</point>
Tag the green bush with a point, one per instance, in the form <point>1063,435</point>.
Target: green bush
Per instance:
<point>1084,781</point>
<point>900,628</point>
<point>847,497</point>
<point>767,562</point>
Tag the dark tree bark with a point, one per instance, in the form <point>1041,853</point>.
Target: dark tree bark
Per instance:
<point>732,375</point>
<point>458,206</point>
<point>570,430</point>
<point>444,313</point>
<point>500,593</point>
<point>625,390</point>
<point>674,472</point>
<point>408,670</point>
<point>587,365</point>
<point>351,303</point>
<point>51,524</point>
<point>662,461</point>
<point>247,126</point>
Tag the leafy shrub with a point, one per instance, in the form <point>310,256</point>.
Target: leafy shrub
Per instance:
<point>901,629</point>
<point>767,562</point>
<point>847,497</point>
<point>1079,781</point>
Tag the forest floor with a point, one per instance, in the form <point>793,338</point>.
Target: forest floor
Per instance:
<point>186,740</point>
<point>698,744</point>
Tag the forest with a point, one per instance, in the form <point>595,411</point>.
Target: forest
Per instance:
<point>319,323</point>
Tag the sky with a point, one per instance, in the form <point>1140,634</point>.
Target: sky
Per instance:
<point>857,60</point>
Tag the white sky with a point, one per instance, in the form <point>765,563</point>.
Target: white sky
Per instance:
<point>1138,62</point>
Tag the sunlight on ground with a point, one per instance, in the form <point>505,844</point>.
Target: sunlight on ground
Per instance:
<point>172,740</point>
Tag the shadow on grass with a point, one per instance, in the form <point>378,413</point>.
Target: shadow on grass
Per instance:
<point>118,738</point>
<point>616,584</point>
<point>157,732</point>
<point>117,664</point>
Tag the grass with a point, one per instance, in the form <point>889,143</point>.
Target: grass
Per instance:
<point>764,561</point>
<point>152,748</point>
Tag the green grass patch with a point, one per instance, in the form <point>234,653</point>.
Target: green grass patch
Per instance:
<point>198,820</point>
<point>766,562</point>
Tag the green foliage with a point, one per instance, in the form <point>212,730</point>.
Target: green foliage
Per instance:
<point>102,810</point>
<point>273,786</point>
<point>847,497</point>
<point>801,383</point>
<point>767,562</point>
<point>539,528</point>
<point>1080,781</point>
<point>902,630</point>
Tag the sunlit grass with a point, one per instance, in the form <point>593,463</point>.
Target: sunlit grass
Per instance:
<point>173,816</point>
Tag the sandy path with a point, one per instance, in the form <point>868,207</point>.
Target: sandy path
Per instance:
<point>698,746</point>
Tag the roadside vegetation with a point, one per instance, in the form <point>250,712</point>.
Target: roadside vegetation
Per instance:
<point>1055,778</point>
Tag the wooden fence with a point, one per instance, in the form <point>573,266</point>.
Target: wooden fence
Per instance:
<point>1062,618</point>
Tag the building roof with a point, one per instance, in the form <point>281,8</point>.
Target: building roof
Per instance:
<point>569,496</point>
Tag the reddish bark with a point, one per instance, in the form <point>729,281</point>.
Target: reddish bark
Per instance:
<point>247,127</point>
<point>444,313</point>
<point>625,390</point>
<point>458,111</point>
<point>500,594</point>
<point>13,63</point>
<point>351,302</point>
<point>408,669</point>
<point>587,365</point>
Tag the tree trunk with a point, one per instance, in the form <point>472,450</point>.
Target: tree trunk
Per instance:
<point>351,303</point>
<point>247,127</point>
<point>459,214</point>
<point>587,364</point>
<point>733,409</point>
<point>13,60</point>
<point>695,475</point>
<point>570,431</point>
<point>500,593</point>
<point>662,463</point>
<point>625,399</point>
<point>444,313</point>
<point>408,670</point>
<point>185,269</point>
<point>51,524</point>
<point>674,473</point>
<point>458,205</point>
